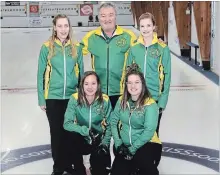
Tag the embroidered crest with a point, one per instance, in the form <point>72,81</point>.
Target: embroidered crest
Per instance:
<point>98,111</point>
<point>140,112</point>
<point>154,53</point>
<point>121,42</point>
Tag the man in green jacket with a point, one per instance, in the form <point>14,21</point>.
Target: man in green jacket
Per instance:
<point>108,46</point>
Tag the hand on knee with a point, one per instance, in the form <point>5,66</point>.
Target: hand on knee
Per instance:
<point>95,137</point>
<point>103,150</point>
<point>123,150</point>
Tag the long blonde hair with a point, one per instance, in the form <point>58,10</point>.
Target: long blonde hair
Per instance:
<point>69,37</point>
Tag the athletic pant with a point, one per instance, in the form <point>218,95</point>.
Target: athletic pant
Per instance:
<point>143,161</point>
<point>55,110</point>
<point>99,164</point>
<point>157,131</point>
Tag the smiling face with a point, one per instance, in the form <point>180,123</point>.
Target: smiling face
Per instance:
<point>107,18</point>
<point>62,28</point>
<point>90,85</point>
<point>134,86</point>
<point>146,27</point>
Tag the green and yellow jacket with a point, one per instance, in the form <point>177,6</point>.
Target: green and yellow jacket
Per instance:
<point>109,56</point>
<point>155,63</point>
<point>137,125</point>
<point>58,76</point>
<point>81,119</point>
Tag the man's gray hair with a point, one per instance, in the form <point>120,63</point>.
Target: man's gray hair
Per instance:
<point>107,5</point>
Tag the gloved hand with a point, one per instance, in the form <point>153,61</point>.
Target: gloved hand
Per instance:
<point>95,136</point>
<point>103,149</point>
<point>129,156</point>
<point>124,151</point>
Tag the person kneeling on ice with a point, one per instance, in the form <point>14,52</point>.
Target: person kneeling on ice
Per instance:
<point>136,143</point>
<point>87,118</point>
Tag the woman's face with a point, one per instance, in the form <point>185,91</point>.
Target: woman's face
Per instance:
<point>134,86</point>
<point>62,28</point>
<point>146,27</point>
<point>90,85</point>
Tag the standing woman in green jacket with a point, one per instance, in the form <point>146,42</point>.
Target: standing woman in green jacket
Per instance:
<point>153,57</point>
<point>88,119</point>
<point>60,66</point>
<point>135,141</point>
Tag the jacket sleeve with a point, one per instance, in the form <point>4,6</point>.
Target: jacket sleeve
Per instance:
<point>115,117</point>
<point>133,38</point>
<point>130,59</point>
<point>84,44</point>
<point>150,125</point>
<point>42,63</point>
<point>166,62</point>
<point>80,63</point>
<point>70,119</point>
<point>107,138</point>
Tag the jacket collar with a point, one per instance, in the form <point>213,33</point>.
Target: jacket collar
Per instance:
<point>67,42</point>
<point>141,39</point>
<point>118,31</point>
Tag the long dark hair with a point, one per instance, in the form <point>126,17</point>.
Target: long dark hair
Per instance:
<point>134,69</point>
<point>82,100</point>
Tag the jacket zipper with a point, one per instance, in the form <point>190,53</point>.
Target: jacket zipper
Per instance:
<point>107,67</point>
<point>64,87</point>
<point>145,61</point>
<point>90,121</point>
<point>130,127</point>
<point>108,59</point>
<point>129,121</point>
<point>90,117</point>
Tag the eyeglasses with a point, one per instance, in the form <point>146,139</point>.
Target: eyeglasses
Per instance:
<point>133,83</point>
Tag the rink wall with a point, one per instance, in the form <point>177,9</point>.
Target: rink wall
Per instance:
<point>41,13</point>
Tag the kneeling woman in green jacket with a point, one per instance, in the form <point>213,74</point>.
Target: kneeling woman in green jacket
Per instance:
<point>135,138</point>
<point>87,117</point>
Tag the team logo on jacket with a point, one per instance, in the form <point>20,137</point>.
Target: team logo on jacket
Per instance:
<point>154,53</point>
<point>121,42</point>
<point>99,110</point>
<point>140,112</point>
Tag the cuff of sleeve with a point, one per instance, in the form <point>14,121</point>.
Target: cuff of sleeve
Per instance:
<point>42,103</point>
<point>119,142</point>
<point>132,150</point>
<point>161,104</point>
<point>106,142</point>
<point>85,131</point>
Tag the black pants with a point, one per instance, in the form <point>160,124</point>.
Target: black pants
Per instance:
<point>113,100</point>
<point>157,131</point>
<point>143,160</point>
<point>55,110</point>
<point>99,163</point>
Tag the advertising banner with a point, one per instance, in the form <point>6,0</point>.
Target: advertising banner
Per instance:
<point>34,9</point>
<point>12,3</point>
<point>86,9</point>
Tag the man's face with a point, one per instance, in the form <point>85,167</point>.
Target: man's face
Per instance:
<point>107,18</point>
